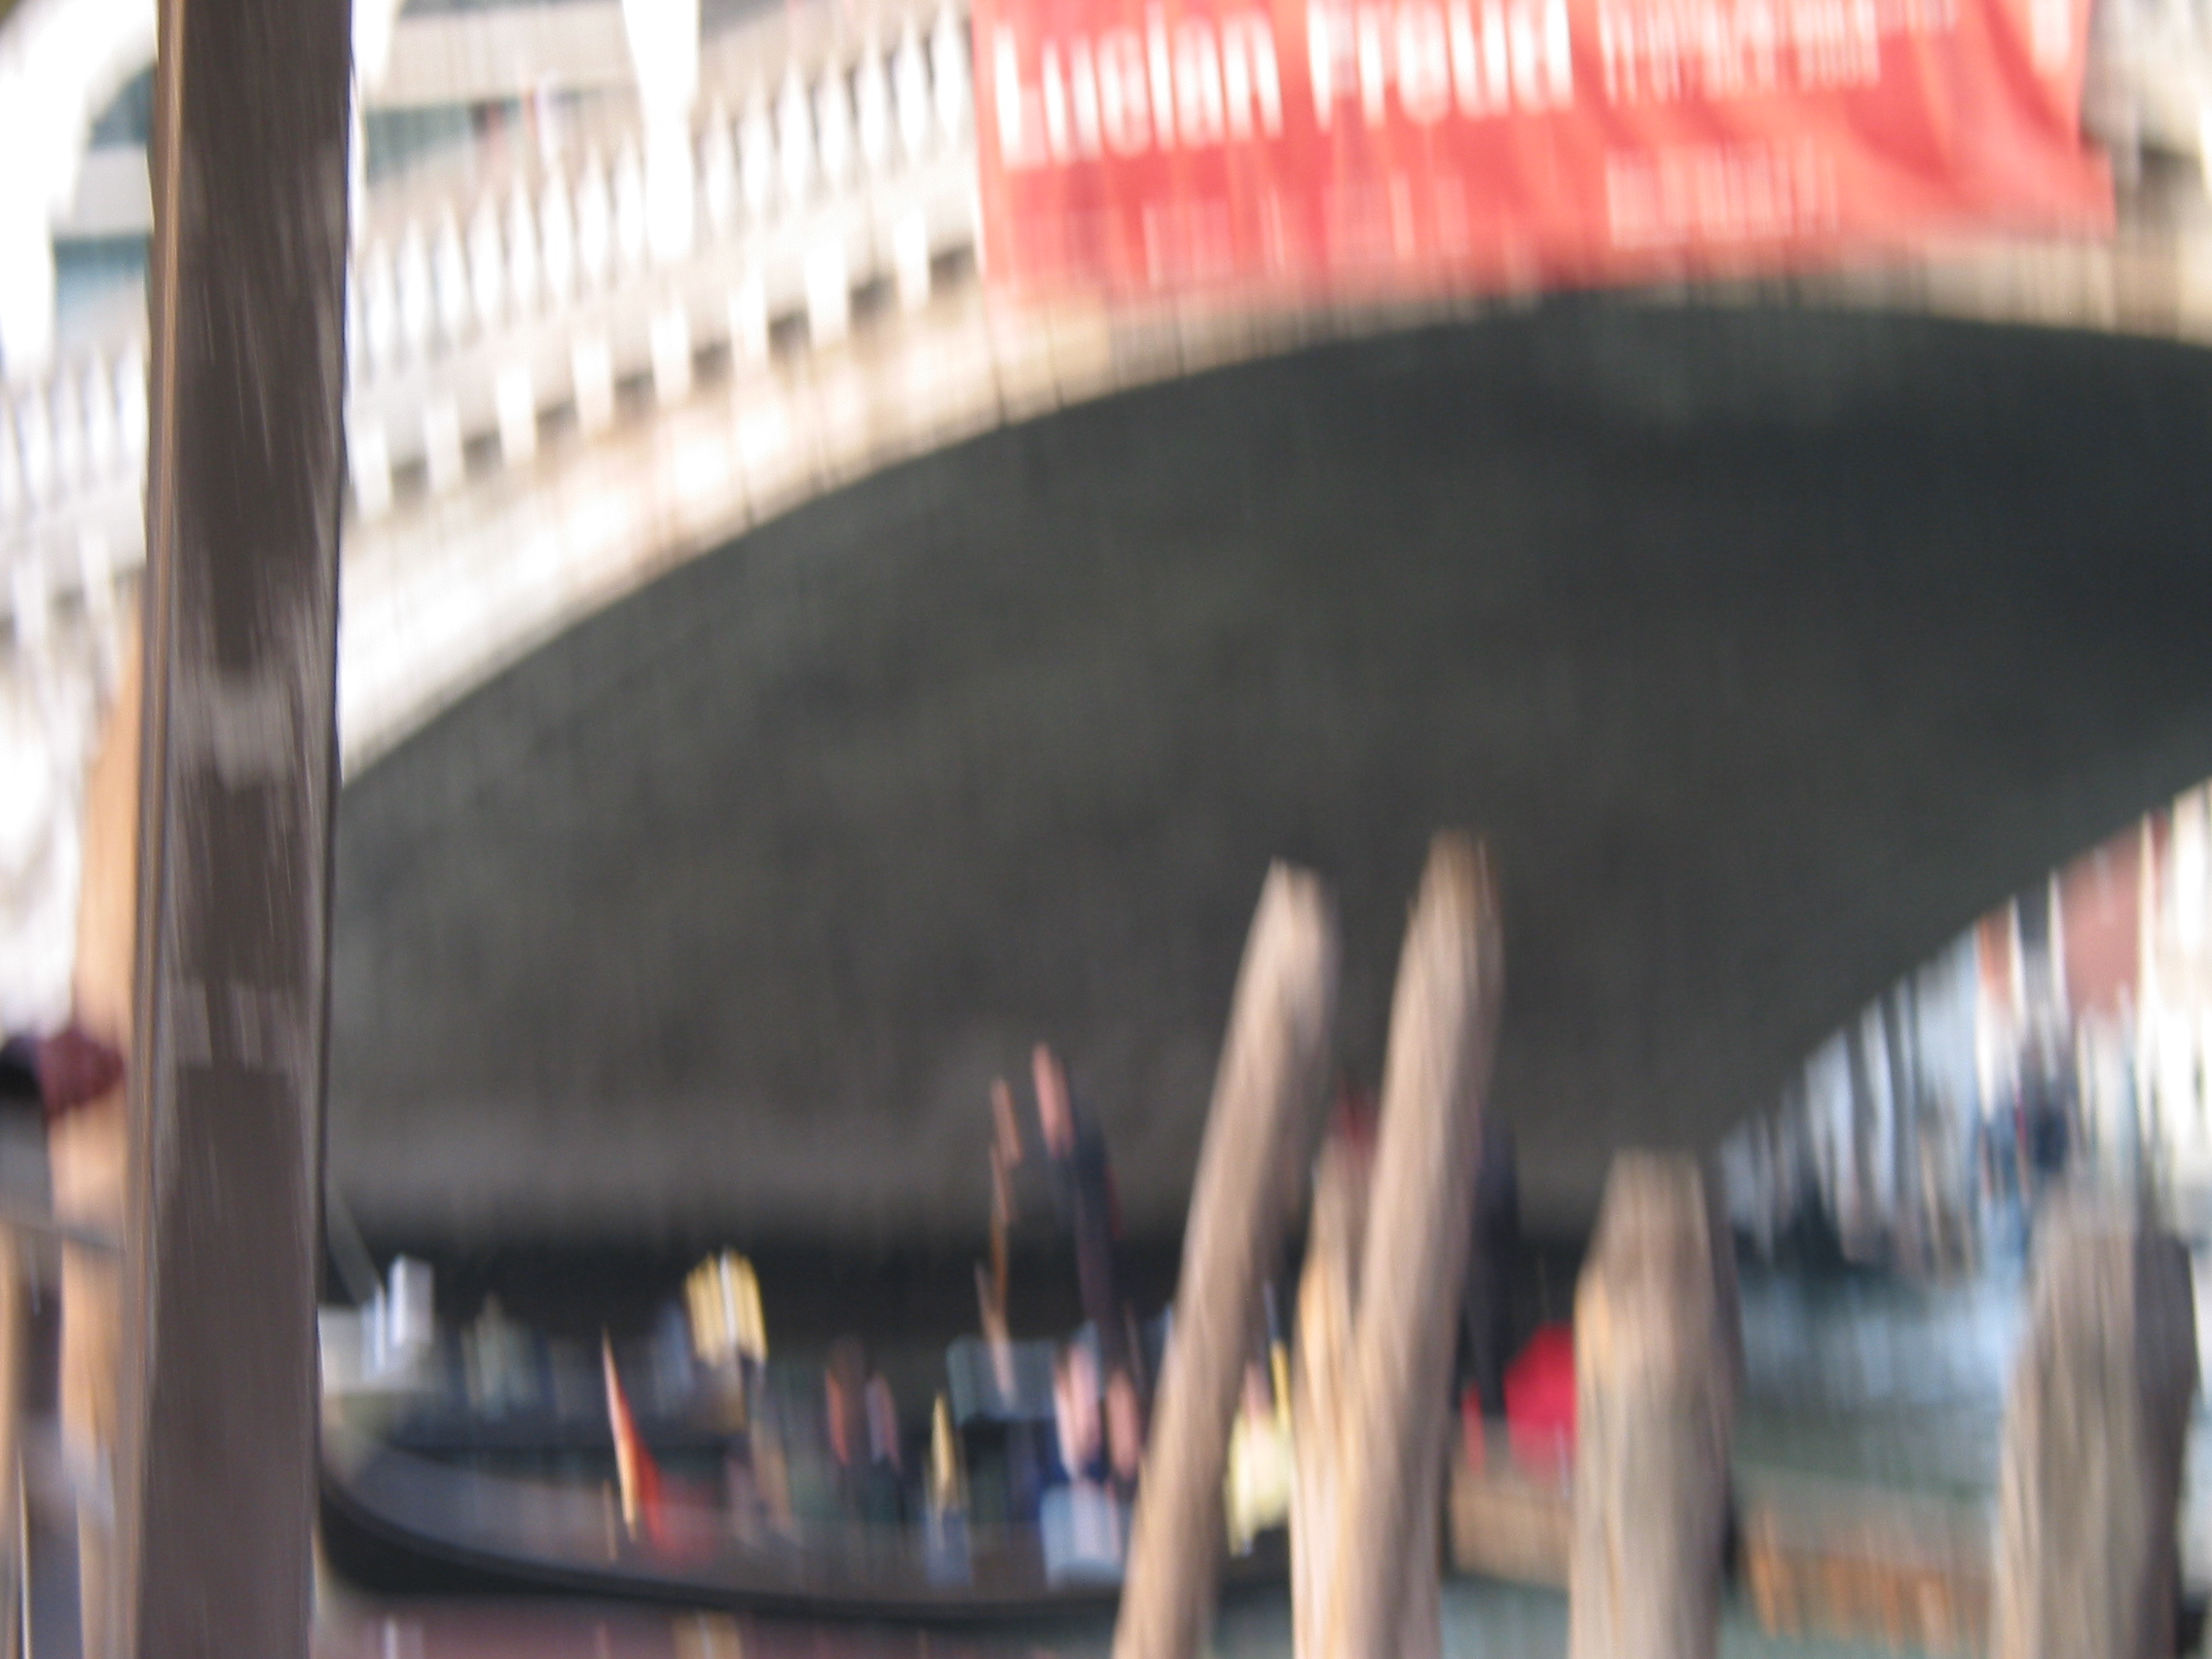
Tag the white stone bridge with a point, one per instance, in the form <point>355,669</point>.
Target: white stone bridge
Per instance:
<point>574,367</point>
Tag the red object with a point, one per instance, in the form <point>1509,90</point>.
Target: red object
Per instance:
<point>75,1069</point>
<point>636,1473</point>
<point>1148,146</point>
<point>1540,1401</point>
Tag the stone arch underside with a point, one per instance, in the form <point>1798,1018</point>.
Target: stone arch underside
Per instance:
<point>1768,648</point>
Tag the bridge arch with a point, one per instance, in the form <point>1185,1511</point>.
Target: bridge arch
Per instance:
<point>1771,646</point>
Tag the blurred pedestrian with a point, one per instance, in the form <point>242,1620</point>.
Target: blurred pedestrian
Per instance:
<point>1084,1182</point>
<point>1076,1414</point>
<point>1083,1521</point>
<point>57,1074</point>
<point>991,1284</point>
<point>844,1385</point>
<point>883,1492</point>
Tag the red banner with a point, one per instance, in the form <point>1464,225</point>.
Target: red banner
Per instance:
<point>1139,146</point>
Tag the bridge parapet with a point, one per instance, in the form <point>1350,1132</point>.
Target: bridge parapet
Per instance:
<point>480,309</point>
<point>829,173</point>
<point>799,344</point>
<point>72,467</point>
<point>548,408</point>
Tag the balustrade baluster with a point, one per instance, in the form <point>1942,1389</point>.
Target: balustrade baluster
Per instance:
<point>34,440</point>
<point>910,87</point>
<point>749,320</point>
<point>368,457</point>
<point>15,494</point>
<point>910,259</point>
<point>451,268</point>
<point>795,139</point>
<point>672,355</point>
<point>629,226</point>
<point>517,399</point>
<point>718,172</point>
<point>757,156</point>
<point>833,127</point>
<point>668,189</point>
<point>595,222</point>
<point>130,404</point>
<point>444,462</point>
<point>357,320</point>
<point>591,367</point>
<point>487,266</point>
<point>98,395</point>
<point>948,71</point>
<point>27,587</point>
<point>69,434</point>
<point>380,304</point>
<point>557,238</point>
<point>417,297</point>
<point>872,100</point>
<point>95,578</point>
<point>829,294</point>
<point>522,251</point>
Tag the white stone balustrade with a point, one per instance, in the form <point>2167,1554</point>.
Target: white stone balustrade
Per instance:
<point>797,214</point>
<point>519,333</point>
<point>72,454</point>
<point>543,289</point>
<point>538,425</point>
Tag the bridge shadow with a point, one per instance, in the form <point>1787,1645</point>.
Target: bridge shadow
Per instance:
<point>1769,649</point>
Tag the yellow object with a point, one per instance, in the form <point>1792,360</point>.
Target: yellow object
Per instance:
<point>722,1296</point>
<point>1259,1480</point>
<point>948,1482</point>
<point>709,1327</point>
<point>745,1299</point>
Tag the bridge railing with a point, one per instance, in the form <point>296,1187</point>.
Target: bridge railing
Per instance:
<point>832,166</point>
<point>856,174</point>
<point>72,469</point>
<point>831,169</point>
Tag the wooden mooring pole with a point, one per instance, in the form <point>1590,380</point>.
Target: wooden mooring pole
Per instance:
<point>1382,1597</point>
<point>1328,1297</point>
<point>2090,1482</point>
<point>1386,1262</point>
<point>216,1468</point>
<point>1259,1136</point>
<point>1658,1354</point>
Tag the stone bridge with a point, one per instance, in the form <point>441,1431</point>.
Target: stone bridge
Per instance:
<point>571,377</point>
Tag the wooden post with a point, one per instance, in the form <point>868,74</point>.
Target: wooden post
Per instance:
<point>2094,1431</point>
<point>1383,1596</point>
<point>1328,1296</point>
<point>1328,1300</point>
<point>1259,1136</point>
<point>1657,1359</point>
<point>216,1475</point>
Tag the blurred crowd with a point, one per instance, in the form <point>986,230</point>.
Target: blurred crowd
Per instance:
<point>1028,1448</point>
